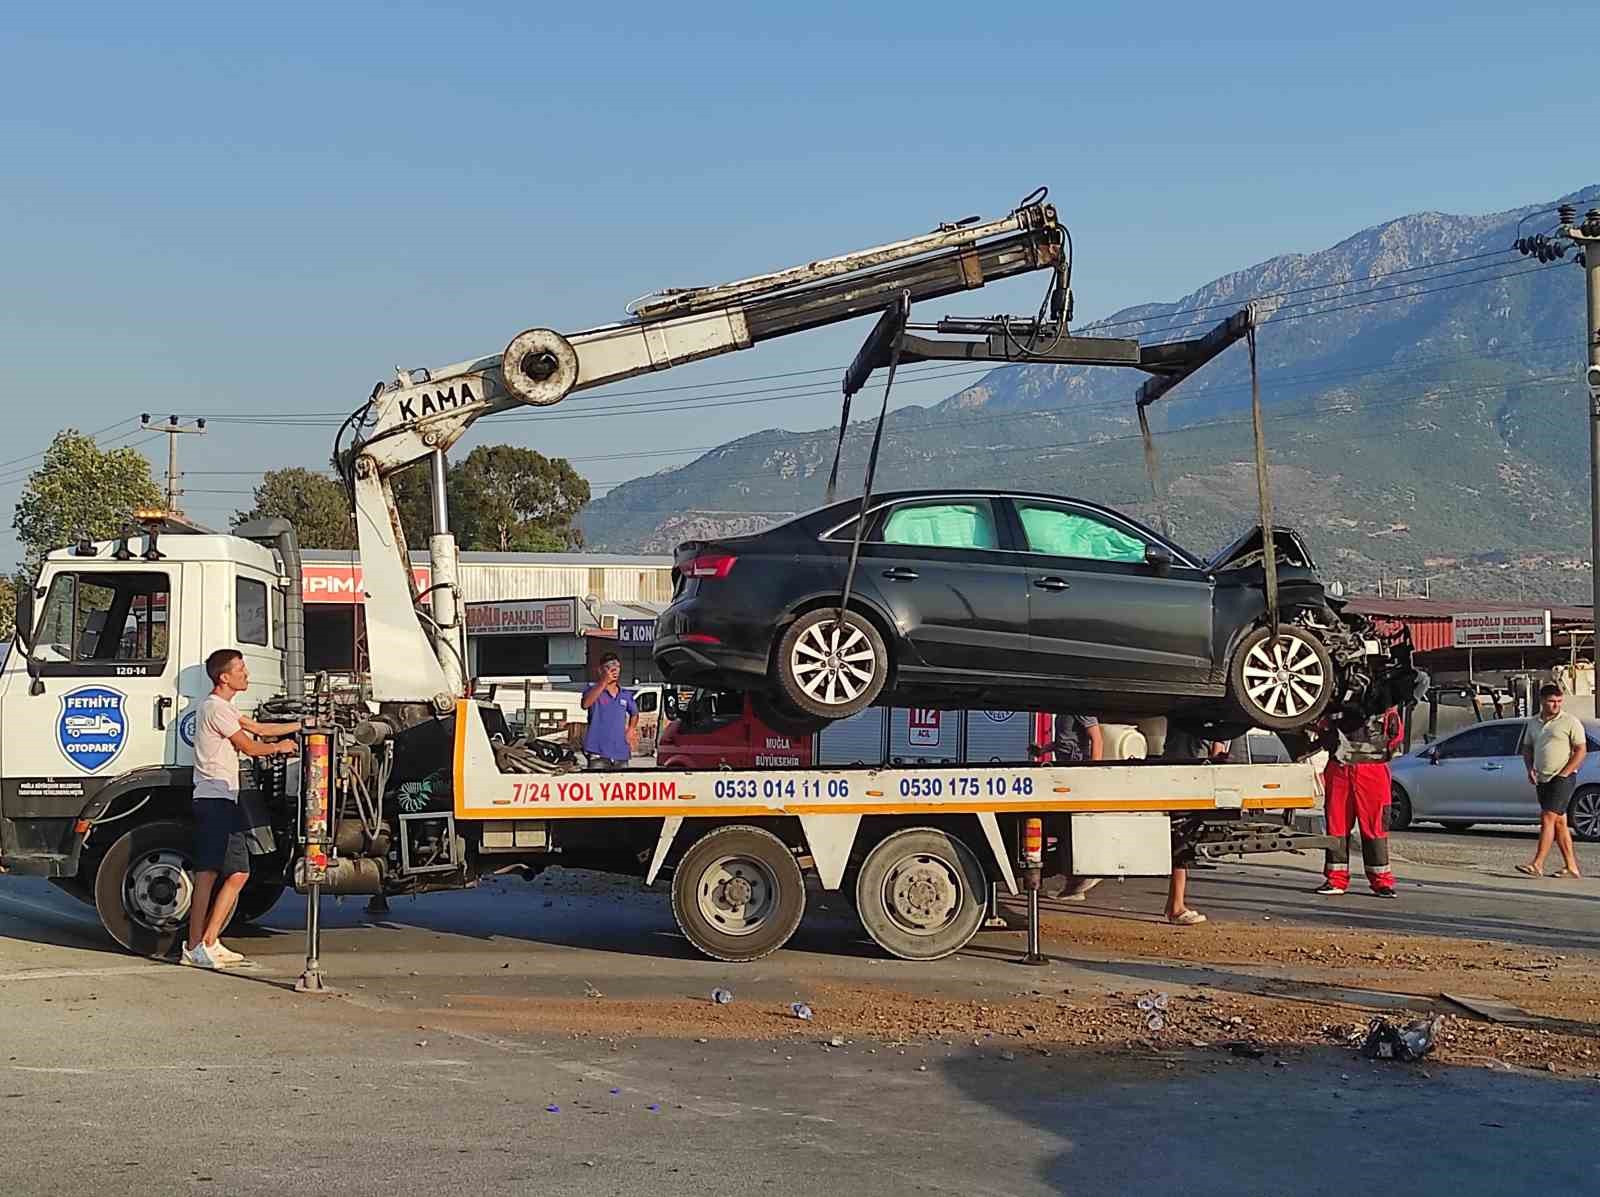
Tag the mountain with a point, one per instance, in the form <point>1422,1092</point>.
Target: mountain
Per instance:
<point>1425,418</point>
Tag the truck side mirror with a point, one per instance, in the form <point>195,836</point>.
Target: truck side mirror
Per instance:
<point>24,617</point>
<point>1158,557</point>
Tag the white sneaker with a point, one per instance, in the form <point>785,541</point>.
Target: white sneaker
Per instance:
<point>199,957</point>
<point>225,955</point>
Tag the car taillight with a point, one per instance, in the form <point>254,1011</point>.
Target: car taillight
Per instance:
<point>711,565</point>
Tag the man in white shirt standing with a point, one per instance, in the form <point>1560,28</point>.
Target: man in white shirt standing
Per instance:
<point>222,853</point>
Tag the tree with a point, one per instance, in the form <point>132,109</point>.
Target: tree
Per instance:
<point>8,608</point>
<point>314,503</point>
<point>80,488</point>
<point>509,499</point>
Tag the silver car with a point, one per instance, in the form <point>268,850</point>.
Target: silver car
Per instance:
<point>1478,776</point>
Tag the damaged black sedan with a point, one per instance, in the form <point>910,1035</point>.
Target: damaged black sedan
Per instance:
<point>1001,600</point>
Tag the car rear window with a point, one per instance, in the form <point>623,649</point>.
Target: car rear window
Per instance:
<point>1062,532</point>
<point>965,525</point>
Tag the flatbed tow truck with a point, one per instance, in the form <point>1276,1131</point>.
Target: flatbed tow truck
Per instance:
<point>406,785</point>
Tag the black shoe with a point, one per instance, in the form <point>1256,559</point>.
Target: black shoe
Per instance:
<point>1384,891</point>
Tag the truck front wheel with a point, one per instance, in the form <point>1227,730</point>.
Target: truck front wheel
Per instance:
<point>143,887</point>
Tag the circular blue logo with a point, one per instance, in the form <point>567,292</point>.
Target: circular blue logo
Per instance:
<point>187,726</point>
<point>998,716</point>
<point>92,727</point>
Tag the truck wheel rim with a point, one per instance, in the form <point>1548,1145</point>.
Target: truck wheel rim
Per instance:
<point>1283,677</point>
<point>737,894</point>
<point>157,889</point>
<point>1585,814</point>
<point>833,663</point>
<point>922,894</point>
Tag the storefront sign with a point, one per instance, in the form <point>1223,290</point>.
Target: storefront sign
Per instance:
<point>636,631</point>
<point>523,617</point>
<point>325,583</point>
<point>1501,629</point>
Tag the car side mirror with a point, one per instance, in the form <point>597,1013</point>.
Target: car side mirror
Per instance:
<point>1158,557</point>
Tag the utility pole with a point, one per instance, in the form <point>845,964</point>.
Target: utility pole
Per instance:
<point>173,429</point>
<point>1586,237</point>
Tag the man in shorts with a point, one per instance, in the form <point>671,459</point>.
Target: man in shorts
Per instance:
<point>222,852</point>
<point>1554,748</point>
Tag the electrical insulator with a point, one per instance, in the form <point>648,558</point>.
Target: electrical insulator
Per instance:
<point>1566,214</point>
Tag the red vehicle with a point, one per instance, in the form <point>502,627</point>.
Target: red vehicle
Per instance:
<point>716,728</point>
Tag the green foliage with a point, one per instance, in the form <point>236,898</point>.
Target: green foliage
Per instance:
<point>8,608</point>
<point>502,498</point>
<point>80,488</point>
<point>511,499</point>
<point>314,503</point>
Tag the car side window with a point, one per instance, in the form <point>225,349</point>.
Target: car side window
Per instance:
<point>646,702</point>
<point>92,618</point>
<point>962,524</point>
<point>1500,740</point>
<point>250,610</point>
<point>1064,532</point>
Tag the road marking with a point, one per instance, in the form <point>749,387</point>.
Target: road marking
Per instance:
<point>59,974</point>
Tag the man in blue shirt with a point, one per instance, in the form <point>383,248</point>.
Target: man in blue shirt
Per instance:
<point>613,729</point>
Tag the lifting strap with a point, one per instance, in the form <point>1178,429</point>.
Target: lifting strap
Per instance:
<point>1269,539</point>
<point>1152,467</point>
<point>894,319</point>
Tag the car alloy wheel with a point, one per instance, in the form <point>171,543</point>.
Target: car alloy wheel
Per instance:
<point>829,668</point>
<point>1282,684</point>
<point>1399,808</point>
<point>1583,816</point>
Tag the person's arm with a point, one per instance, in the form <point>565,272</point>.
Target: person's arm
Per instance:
<point>250,746</point>
<point>1528,738</point>
<point>592,694</point>
<point>1097,743</point>
<point>267,729</point>
<point>1580,749</point>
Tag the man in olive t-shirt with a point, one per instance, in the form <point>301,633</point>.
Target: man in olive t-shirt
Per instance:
<point>1554,748</point>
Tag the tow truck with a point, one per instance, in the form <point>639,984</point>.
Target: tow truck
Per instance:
<point>407,785</point>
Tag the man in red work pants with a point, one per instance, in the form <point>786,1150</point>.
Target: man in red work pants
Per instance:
<point>1356,793</point>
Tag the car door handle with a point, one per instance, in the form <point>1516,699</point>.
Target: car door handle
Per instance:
<point>901,575</point>
<point>162,705</point>
<point>1491,767</point>
<point>1052,583</point>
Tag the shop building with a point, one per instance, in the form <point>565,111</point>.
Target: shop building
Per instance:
<point>525,613</point>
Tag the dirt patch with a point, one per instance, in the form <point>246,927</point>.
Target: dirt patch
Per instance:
<point>1286,989</point>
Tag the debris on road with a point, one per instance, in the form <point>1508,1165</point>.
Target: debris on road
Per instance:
<point>800,1010</point>
<point>1385,1041</point>
<point>721,996</point>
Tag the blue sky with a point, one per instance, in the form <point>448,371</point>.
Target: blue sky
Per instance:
<point>246,212</point>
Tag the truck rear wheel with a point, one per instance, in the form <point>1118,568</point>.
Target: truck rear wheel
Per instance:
<point>738,893</point>
<point>143,887</point>
<point>256,899</point>
<point>921,894</point>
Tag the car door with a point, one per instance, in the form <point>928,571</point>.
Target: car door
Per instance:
<point>959,598</point>
<point>1098,610</point>
<point>1477,774</point>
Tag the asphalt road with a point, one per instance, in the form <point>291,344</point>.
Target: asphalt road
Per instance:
<point>123,1076</point>
<point>1483,848</point>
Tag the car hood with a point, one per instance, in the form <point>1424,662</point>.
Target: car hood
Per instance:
<point>1246,551</point>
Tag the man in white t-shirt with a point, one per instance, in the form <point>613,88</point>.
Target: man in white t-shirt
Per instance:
<point>222,852</point>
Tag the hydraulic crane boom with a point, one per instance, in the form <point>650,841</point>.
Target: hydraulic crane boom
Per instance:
<point>427,411</point>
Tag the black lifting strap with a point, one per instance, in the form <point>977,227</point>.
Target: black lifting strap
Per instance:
<point>1269,539</point>
<point>1152,467</point>
<point>894,319</point>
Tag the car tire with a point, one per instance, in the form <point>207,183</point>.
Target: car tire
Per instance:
<point>256,900</point>
<point>1583,816</point>
<point>1399,808</point>
<point>1301,658</point>
<point>830,672</point>
<point>1456,826</point>
<point>775,713</point>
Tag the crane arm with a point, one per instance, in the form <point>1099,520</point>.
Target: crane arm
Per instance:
<point>427,411</point>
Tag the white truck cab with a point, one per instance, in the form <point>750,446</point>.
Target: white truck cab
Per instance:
<point>98,698</point>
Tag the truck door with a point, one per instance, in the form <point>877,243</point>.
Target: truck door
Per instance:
<point>109,689</point>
